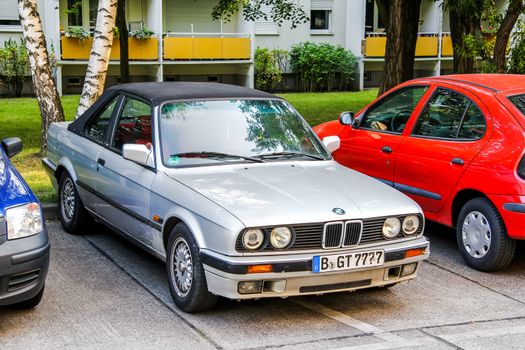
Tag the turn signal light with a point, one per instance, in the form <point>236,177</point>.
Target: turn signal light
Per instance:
<point>414,252</point>
<point>260,268</point>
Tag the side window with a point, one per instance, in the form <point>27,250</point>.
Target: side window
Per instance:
<point>474,125</point>
<point>450,115</point>
<point>392,113</point>
<point>134,124</point>
<point>98,127</point>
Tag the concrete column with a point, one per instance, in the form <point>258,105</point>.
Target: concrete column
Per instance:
<point>59,79</point>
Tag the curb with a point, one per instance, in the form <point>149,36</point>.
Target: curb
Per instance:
<point>50,211</point>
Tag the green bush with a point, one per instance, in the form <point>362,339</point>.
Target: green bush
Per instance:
<point>14,66</point>
<point>322,67</point>
<point>269,66</point>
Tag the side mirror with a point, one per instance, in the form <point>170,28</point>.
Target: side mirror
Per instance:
<point>346,118</point>
<point>139,154</point>
<point>12,146</point>
<point>332,143</point>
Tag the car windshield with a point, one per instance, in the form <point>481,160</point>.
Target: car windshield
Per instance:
<point>519,101</point>
<point>209,132</point>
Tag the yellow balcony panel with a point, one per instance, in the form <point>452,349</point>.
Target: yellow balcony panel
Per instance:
<point>236,48</point>
<point>446,46</point>
<point>115,50</point>
<point>178,48</point>
<point>375,46</point>
<point>74,49</point>
<point>145,49</point>
<point>427,46</point>
<point>207,48</point>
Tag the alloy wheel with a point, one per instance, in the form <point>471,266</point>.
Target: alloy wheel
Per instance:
<point>182,267</point>
<point>67,200</point>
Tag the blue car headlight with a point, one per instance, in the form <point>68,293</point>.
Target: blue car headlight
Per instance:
<point>24,221</point>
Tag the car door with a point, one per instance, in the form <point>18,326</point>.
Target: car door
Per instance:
<point>124,186</point>
<point>369,146</point>
<point>96,134</point>
<point>448,134</point>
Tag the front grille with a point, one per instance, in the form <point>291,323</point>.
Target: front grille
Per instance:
<point>310,236</point>
<point>333,235</point>
<point>353,233</point>
<point>22,280</point>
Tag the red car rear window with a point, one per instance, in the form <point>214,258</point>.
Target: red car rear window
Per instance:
<point>519,101</point>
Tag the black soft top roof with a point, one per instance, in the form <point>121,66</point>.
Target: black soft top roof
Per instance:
<point>157,93</point>
<point>168,91</point>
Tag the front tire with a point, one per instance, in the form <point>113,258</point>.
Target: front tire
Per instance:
<point>482,236</point>
<point>73,215</point>
<point>185,272</point>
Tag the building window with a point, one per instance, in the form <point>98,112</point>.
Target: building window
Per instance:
<point>74,13</point>
<point>9,13</point>
<point>320,20</point>
<point>93,11</point>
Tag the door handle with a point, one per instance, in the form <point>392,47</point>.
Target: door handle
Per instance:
<point>101,161</point>
<point>457,161</point>
<point>386,149</point>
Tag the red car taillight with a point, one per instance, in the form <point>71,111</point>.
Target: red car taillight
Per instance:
<point>521,168</point>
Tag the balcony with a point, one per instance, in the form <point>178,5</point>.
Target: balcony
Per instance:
<point>207,46</point>
<point>139,50</point>
<point>427,45</point>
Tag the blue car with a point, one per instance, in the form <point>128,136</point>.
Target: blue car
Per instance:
<point>24,245</point>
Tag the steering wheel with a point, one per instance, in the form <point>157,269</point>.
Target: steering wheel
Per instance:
<point>401,123</point>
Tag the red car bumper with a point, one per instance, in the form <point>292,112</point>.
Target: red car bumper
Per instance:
<point>512,210</point>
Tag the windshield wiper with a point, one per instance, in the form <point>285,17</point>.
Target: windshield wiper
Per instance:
<point>289,154</point>
<point>206,154</point>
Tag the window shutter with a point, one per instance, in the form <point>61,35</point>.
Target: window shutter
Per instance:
<point>9,10</point>
<point>322,4</point>
<point>266,27</point>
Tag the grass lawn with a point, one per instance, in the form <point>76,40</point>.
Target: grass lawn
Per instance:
<point>321,107</point>
<point>21,117</point>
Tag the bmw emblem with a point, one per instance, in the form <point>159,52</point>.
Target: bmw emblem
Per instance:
<point>339,211</point>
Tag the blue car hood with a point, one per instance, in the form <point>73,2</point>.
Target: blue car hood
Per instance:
<point>13,189</point>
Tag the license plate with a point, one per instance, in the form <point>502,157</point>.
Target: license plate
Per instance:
<point>349,261</point>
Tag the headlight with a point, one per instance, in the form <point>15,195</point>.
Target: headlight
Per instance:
<point>23,221</point>
<point>253,239</point>
<point>280,237</point>
<point>391,227</point>
<point>410,224</point>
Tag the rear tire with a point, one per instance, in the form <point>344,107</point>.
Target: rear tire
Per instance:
<point>186,277</point>
<point>31,303</point>
<point>482,236</point>
<point>73,215</point>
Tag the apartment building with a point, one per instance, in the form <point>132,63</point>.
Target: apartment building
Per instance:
<point>188,45</point>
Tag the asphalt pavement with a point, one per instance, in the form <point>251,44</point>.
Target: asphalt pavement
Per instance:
<point>103,292</point>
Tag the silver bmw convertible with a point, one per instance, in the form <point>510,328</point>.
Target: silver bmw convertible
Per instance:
<point>232,189</point>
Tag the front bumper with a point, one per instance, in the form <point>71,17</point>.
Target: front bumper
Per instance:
<point>24,264</point>
<point>292,274</point>
<point>512,210</point>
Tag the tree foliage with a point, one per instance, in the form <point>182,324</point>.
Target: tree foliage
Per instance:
<point>321,67</point>
<point>268,73</point>
<point>281,10</point>
<point>14,67</point>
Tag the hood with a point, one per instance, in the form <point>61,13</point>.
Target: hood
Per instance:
<point>13,190</point>
<point>294,192</point>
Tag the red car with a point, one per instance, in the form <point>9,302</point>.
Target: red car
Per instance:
<point>456,145</point>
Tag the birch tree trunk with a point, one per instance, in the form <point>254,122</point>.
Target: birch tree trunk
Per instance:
<point>99,58</point>
<point>45,89</point>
